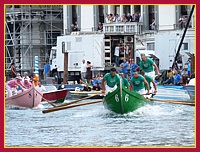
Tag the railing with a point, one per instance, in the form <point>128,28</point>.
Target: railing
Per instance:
<point>128,27</point>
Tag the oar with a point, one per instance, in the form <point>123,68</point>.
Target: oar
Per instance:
<point>49,102</point>
<point>71,106</point>
<point>184,102</point>
<point>65,104</point>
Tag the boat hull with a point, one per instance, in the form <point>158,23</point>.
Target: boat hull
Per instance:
<point>56,96</point>
<point>28,99</point>
<point>191,91</point>
<point>123,101</point>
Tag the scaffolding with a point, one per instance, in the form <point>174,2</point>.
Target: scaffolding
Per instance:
<point>31,30</point>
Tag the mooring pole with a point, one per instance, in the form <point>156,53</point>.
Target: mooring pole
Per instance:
<point>65,78</point>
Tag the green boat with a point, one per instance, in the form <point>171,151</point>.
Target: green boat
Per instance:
<point>123,100</point>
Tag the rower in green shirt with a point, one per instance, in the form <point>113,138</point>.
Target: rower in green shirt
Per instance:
<point>112,80</point>
<point>137,84</point>
<point>149,81</point>
<point>124,80</point>
<point>147,65</point>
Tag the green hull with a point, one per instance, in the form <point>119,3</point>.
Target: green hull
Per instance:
<point>123,101</point>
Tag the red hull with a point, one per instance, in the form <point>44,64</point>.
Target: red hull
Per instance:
<point>55,95</point>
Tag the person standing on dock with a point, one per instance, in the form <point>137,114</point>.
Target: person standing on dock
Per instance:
<point>188,63</point>
<point>13,70</point>
<point>133,67</point>
<point>88,75</point>
<point>147,65</point>
<point>83,70</point>
<point>112,80</point>
<point>137,83</point>
<point>124,67</point>
<point>46,70</point>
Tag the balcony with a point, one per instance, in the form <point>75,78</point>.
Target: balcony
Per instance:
<point>128,27</point>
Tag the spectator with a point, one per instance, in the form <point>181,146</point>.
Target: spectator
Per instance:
<point>177,78</point>
<point>76,28</point>
<point>133,67</point>
<point>188,63</point>
<point>129,17</point>
<point>47,69</point>
<point>13,70</point>
<point>83,70</point>
<point>153,24</point>
<point>106,18</point>
<point>117,18</point>
<point>137,17</point>
<point>181,22</point>
<point>170,76</point>
<point>124,67</point>
<point>116,55</point>
<point>110,18</point>
<point>100,27</point>
<point>86,87</point>
<point>96,87</point>
<point>123,18</point>
<point>88,72</point>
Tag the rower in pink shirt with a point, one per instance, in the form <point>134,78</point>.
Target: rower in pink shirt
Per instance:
<point>13,84</point>
<point>27,84</point>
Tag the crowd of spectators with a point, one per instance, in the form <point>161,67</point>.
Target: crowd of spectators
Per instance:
<point>115,18</point>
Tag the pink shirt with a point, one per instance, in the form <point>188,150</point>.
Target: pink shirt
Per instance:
<point>11,83</point>
<point>27,85</point>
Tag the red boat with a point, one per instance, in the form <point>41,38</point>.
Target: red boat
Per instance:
<point>55,95</point>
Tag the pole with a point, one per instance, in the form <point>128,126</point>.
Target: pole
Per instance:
<point>179,47</point>
<point>65,79</point>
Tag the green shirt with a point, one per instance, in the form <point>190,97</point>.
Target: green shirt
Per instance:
<point>149,80</point>
<point>138,83</point>
<point>147,66</point>
<point>125,82</point>
<point>111,81</point>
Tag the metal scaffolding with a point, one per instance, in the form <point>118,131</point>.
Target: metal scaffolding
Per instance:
<point>31,30</point>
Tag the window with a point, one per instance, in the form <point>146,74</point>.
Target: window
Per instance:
<point>150,46</point>
<point>185,46</point>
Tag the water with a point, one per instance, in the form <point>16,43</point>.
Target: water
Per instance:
<point>156,124</point>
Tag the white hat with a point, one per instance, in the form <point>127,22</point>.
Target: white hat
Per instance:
<point>18,77</point>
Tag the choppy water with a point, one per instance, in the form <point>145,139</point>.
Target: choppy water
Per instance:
<point>156,124</point>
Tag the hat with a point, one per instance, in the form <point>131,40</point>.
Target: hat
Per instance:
<point>135,72</point>
<point>25,79</point>
<point>142,54</point>
<point>18,77</point>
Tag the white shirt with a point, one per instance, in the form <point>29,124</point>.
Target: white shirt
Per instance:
<point>27,77</point>
<point>83,67</point>
<point>42,88</point>
<point>116,51</point>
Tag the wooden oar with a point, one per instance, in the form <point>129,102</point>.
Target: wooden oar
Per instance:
<point>65,104</point>
<point>71,106</point>
<point>184,102</point>
<point>49,102</point>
